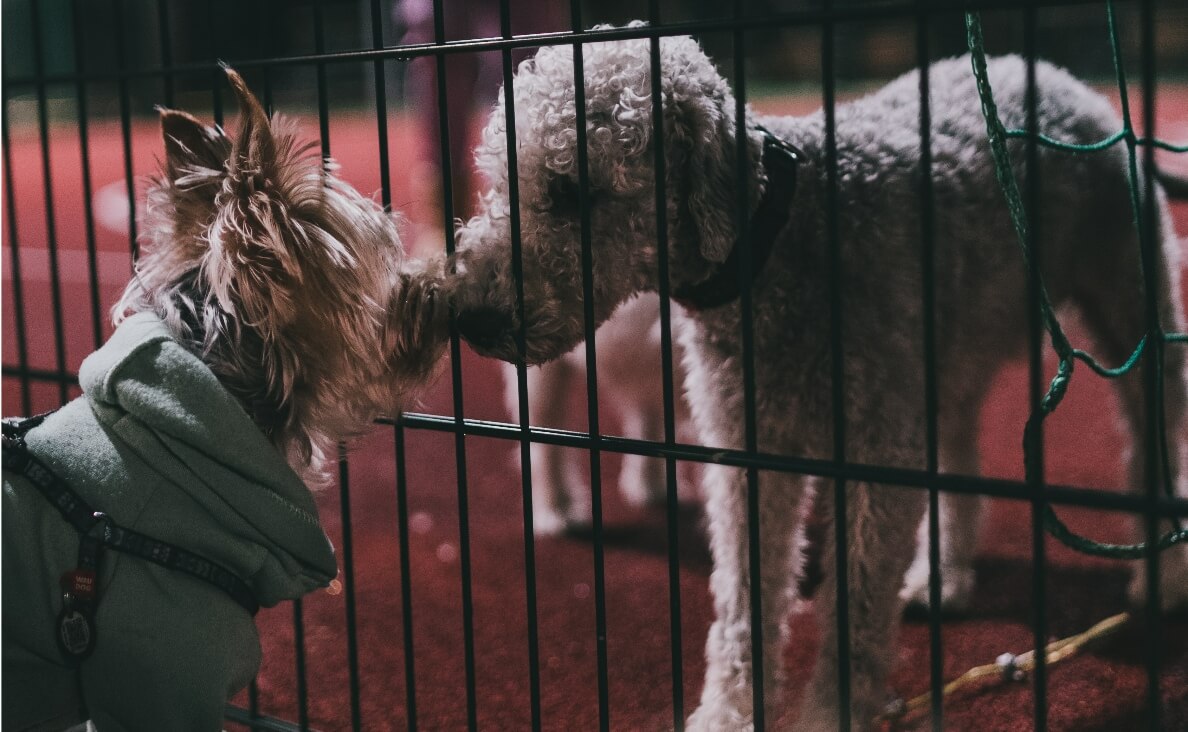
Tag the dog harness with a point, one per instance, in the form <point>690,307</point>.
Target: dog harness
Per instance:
<point>780,161</point>
<point>96,531</point>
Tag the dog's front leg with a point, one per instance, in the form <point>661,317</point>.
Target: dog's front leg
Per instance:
<point>726,699</point>
<point>642,480</point>
<point>881,522</point>
<point>560,492</point>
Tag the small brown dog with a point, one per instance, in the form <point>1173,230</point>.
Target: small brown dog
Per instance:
<point>291,285</point>
<point>271,316</point>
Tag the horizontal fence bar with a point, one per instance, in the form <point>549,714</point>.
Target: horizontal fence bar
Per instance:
<point>36,374</point>
<point>1107,499</point>
<point>792,19</point>
<point>260,722</point>
<point>902,477</point>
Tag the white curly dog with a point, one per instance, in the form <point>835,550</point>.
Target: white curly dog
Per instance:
<point>1090,259</point>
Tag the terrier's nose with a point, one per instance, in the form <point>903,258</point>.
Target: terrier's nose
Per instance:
<point>485,328</point>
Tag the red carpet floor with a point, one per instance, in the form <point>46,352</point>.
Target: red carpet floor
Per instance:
<point>1102,690</point>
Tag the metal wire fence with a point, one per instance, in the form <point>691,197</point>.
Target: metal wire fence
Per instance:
<point>40,80</point>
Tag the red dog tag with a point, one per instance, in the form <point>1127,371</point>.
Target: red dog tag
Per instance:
<point>79,583</point>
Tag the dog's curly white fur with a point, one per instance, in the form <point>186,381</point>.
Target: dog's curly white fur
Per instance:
<point>1089,250</point>
<point>286,281</point>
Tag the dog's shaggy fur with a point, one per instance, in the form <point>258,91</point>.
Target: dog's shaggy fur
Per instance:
<point>1090,255</point>
<point>287,282</point>
<point>267,283</point>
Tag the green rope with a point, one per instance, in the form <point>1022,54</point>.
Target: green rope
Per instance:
<point>1065,352</point>
<point>1095,146</point>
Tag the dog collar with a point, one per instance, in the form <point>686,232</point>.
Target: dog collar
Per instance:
<point>780,161</point>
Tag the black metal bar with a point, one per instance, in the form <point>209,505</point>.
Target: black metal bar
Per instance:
<point>126,129</point>
<point>1154,435</point>
<point>35,374</point>
<point>836,351</point>
<point>448,215</point>
<point>51,233</point>
<point>381,106</point>
<point>266,723</point>
<point>936,678</point>
<point>659,161</point>
<point>406,609</point>
<point>850,471</point>
<point>18,296</point>
<point>265,17</point>
<point>298,616</point>
<point>166,36</point>
<point>212,67</point>
<point>253,701</point>
<point>348,571</point>
<point>320,71</point>
<point>88,207</point>
<point>1110,499</point>
<point>343,466</point>
<point>513,189</point>
<point>747,330</point>
<point>1036,470</point>
<point>792,19</point>
<point>299,656</point>
<point>594,452</point>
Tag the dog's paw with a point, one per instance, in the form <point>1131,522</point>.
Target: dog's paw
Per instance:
<point>719,718</point>
<point>551,521</point>
<point>547,523</point>
<point>957,587</point>
<point>642,481</point>
<point>1173,582</point>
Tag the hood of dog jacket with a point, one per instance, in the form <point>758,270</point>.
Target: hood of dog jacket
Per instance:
<point>210,481</point>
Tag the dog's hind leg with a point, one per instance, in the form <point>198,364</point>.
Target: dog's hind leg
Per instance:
<point>1173,563</point>
<point>960,519</point>
<point>880,525</point>
<point>1118,324</point>
<point>726,699</point>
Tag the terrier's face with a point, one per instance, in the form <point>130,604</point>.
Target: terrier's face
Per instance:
<point>286,281</point>
<point>620,196</point>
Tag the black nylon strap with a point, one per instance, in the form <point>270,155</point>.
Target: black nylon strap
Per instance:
<point>179,560</point>
<point>84,519</point>
<point>780,162</point>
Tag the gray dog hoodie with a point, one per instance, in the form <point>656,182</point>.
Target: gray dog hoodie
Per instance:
<point>161,447</point>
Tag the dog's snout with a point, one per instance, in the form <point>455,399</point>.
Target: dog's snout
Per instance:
<point>485,328</point>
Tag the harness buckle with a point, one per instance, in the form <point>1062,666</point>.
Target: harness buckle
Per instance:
<point>102,527</point>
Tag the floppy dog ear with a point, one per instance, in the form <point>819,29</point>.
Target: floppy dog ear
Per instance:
<point>711,183</point>
<point>702,174</point>
<point>699,134</point>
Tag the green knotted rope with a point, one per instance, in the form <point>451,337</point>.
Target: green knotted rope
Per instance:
<point>1065,352</point>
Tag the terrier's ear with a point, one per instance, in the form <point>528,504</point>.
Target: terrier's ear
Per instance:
<point>254,152</point>
<point>189,143</point>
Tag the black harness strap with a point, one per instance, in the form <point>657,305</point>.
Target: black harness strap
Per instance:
<point>90,523</point>
<point>780,161</point>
